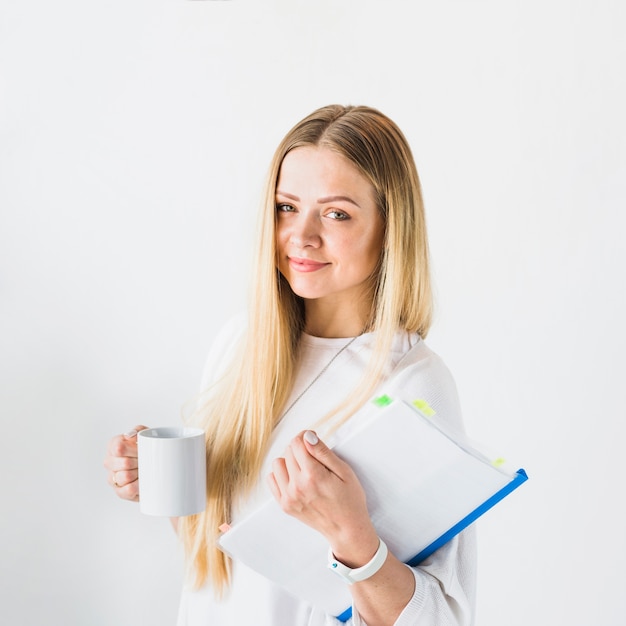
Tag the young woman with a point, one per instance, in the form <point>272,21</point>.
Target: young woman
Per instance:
<point>340,305</point>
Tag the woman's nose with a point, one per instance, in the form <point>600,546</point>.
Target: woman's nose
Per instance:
<point>305,231</point>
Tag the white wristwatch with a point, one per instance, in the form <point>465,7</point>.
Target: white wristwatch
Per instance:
<point>360,573</point>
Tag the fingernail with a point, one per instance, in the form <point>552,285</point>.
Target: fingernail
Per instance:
<point>130,433</point>
<point>310,437</point>
<point>224,528</point>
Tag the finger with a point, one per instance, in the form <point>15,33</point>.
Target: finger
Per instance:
<point>125,490</point>
<point>291,462</point>
<point>129,492</point>
<point>126,444</point>
<point>132,433</point>
<point>123,478</point>
<point>114,479</point>
<point>301,456</point>
<point>121,463</point>
<point>280,474</point>
<point>323,454</point>
<point>119,446</point>
<point>273,485</point>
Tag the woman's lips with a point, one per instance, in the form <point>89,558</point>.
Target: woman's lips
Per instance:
<point>305,265</point>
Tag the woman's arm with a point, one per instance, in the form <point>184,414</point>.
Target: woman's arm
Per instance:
<point>315,486</point>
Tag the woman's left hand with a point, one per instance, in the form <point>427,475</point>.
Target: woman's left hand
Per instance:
<point>315,486</point>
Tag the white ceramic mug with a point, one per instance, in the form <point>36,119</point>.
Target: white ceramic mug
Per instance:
<point>172,471</point>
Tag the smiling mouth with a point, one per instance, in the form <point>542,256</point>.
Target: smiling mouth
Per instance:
<point>305,265</point>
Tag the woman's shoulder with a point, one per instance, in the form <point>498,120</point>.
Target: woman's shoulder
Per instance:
<point>423,375</point>
<point>417,355</point>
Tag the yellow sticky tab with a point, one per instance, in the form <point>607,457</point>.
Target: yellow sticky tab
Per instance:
<point>424,407</point>
<point>383,400</point>
<point>498,462</point>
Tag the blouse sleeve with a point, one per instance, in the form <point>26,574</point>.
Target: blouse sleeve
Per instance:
<point>445,582</point>
<point>445,587</point>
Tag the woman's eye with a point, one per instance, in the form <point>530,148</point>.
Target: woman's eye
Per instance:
<point>285,208</point>
<point>338,215</point>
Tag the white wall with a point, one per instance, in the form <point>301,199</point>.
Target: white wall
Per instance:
<point>134,135</point>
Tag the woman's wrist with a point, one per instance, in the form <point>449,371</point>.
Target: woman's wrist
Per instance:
<point>357,548</point>
<point>357,574</point>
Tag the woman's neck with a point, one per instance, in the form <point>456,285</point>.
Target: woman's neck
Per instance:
<point>321,322</point>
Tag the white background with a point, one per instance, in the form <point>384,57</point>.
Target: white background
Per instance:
<point>134,136</point>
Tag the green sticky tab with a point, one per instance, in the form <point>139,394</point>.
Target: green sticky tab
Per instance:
<point>498,462</point>
<point>383,400</point>
<point>424,407</point>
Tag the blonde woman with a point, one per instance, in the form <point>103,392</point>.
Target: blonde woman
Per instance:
<point>340,305</point>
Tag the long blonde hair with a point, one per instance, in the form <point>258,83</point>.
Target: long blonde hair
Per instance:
<point>244,405</point>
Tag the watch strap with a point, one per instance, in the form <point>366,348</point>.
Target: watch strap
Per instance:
<point>360,573</point>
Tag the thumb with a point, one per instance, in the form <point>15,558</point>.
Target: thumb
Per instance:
<point>311,438</point>
<point>320,451</point>
<point>133,433</point>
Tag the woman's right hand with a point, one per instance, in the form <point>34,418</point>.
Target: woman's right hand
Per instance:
<point>122,466</point>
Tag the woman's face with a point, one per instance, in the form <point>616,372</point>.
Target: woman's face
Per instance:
<point>329,231</point>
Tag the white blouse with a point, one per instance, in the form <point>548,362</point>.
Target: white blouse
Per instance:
<point>445,582</point>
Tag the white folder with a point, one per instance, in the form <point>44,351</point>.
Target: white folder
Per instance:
<point>423,486</point>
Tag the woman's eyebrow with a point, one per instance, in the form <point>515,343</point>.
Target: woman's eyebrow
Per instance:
<point>324,200</point>
<point>287,195</point>
<point>338,199</point>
